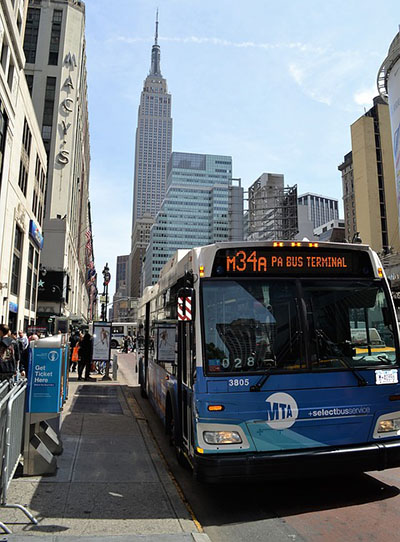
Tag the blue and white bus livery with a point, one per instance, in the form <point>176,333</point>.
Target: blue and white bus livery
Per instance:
<point>274,359</point>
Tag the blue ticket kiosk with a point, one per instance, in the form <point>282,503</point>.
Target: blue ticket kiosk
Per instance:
<point>47,392</point>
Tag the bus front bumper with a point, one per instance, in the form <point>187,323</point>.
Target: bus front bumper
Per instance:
<point>299,463</point>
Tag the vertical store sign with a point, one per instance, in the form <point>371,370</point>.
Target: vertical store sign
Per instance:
<point>393,88</point>
<point>67,107</point>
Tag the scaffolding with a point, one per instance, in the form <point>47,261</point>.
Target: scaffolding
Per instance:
<point>272,212</point>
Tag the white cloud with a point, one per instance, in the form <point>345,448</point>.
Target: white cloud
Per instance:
<point>299,46</point>
<point>297,73</point>
<point>365,96</point>
<point>330,77</point>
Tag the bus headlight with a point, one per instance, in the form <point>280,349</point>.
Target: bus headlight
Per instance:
<point>386,426</point>
<point>222,437</point>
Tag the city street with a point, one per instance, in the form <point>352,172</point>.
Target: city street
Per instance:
<point>363,507</point>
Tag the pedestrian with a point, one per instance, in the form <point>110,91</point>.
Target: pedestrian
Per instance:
<point>23,344</point>
<point>9,355</point>
<point>126,344</point>
<point>85,357</point>
<point>74,342</point>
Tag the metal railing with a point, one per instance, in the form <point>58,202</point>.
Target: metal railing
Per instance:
<point>12,415</point>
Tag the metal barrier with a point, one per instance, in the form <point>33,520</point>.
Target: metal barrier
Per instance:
<point>4,388</point>
<point>12,415</point>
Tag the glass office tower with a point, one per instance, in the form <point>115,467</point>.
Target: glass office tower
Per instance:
<point>197,209</point>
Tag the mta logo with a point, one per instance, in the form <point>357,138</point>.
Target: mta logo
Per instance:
<point>278,411</point>
<point>53,355</point>
<point>281,410</point>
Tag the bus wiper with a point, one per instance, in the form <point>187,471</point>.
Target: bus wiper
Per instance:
<point>321,335</point>
<point>258,385</point>
<point>361,379</point>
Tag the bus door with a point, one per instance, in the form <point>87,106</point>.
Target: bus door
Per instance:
<point>185,376</point>
<point>185,380</point>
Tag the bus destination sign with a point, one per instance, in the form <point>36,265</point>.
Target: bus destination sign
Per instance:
<point>270,261</point>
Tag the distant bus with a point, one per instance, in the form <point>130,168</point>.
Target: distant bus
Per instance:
<point>274,359</point>
<point>119,330</point>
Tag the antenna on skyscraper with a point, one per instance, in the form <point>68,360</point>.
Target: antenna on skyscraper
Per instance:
<point>156,38</point>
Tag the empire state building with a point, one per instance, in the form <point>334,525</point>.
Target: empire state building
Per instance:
<point>152,152</point>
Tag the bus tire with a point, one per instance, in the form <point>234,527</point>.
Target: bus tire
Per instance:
<point>114,343</point>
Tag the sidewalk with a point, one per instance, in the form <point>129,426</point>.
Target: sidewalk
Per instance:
<point>111,483</point>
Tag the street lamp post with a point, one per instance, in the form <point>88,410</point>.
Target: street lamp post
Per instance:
<point>106,280</point>
<point>55,288</point>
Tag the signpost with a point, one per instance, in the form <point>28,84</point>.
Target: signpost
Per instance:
<point>102,344</point>
<point>101,341</point>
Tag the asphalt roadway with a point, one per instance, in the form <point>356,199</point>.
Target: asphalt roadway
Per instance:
<point>358,508</point>
<point>111,483</point>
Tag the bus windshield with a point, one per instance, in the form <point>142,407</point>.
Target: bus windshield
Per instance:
<point>257,325</point>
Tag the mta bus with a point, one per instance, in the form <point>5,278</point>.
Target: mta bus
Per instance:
<point>119,330</point>
<point>268,359</point>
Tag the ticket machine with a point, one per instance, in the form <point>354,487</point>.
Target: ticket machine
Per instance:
<point>47,392</point>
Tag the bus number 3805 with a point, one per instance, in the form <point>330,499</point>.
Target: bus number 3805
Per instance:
<point>239,382</point>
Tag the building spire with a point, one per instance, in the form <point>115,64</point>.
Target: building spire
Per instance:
<point>155,53</point>
<point>156,37</point>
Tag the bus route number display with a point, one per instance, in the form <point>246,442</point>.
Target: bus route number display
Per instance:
<point>253,262</point>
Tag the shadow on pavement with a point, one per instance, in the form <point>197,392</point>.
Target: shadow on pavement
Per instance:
<point>105,472</point>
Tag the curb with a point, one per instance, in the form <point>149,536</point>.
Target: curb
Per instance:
<point>171,486</point>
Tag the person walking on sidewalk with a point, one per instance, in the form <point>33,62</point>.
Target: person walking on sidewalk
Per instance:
<point>23,345</point>
<point>9,354</point>
<point>85,357</point>
<point>74,343</point>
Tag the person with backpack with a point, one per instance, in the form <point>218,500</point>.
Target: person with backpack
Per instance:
<point>9,354</point>
<point>74,343</point>
<point>85,357</point>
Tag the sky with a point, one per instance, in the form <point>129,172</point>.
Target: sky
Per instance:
<point>275,85</point>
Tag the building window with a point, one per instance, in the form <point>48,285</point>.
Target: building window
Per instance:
<point>10,76</point>
<point>31,279</point>
<point>29,81</point>
<point>35,281</point>
<point>16,265</point>
<point>23,177</point>
<point>31,34</point>
<point>4,55</point>
<point>48,111</point>
<point>3,130</point>
<point>27,138</point>
<point>55,37</point>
